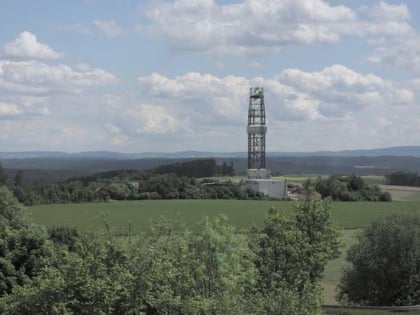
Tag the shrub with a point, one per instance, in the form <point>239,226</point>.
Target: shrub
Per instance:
<point>385,264</point>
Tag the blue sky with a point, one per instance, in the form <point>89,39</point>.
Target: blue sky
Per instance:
<point>173,75</point>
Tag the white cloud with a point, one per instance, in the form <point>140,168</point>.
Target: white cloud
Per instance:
<point>118,137</point>
<point>37,77</point>
<point>7,109</point>
<point>21,107</point>
<point>336,92</point>
<point>383,11</point>
<point>152,119</point>
<point>245,27</point>
<point>108,27</point>
<point>33,89</point>
<point>220,99</point>
<point>26,45</point>
<point>403,53</point>
<point>255,26</point>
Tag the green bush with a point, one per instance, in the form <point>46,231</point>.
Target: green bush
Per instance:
<point>385,264</point>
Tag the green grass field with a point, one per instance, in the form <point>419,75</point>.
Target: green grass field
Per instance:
<point>241,213</point>
<point>350,216</point>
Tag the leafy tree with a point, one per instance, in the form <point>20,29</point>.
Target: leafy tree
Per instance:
<point>3,176</point>
<point>385,264</point>
<point>23,245</point>
<point>118,191</point>
<point>18,178</point>
<point>179,272</point>
<point>65,236</point>
<point>92,281</point>
<point>350,188</point>
<point>291,254</point>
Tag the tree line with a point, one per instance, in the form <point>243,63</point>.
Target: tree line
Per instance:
<point>139,187</point>
<point>346,188</point>
<point>403,179</point>
<point>197,168</point>
<point>172,268</point>
<point>135,185</point>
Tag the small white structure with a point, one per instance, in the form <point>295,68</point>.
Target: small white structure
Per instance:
<point>255,173</point>
<point>270,187</point>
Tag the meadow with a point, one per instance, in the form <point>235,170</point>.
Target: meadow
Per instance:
<point>350,216</point>
<point>241,213</point>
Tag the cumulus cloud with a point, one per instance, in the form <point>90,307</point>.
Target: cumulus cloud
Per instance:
<point>108,27</point>
<point>220,98</point>
<point>403,53</point>
<point>333,93</point>
<point>255,26</point>
<point>26,45</point>
<point>33,89</point>
<point>383,11</point>
<point>337,91</point>
<point>152,119</point>
<point>117,136</point>
<point>37,77</point>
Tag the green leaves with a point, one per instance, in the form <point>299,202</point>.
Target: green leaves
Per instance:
<point>169,269</point>
<point>180,272</point>
<point>291,253</point>
<point>385,264</point>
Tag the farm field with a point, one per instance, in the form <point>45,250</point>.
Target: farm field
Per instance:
<point>350,216</point>
<point>402,193</point>
<point>241,213</point>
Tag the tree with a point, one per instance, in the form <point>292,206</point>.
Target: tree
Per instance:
<point>92,281</point>
<point>3,176</point>
<point>176,271</point>
<point>23,245</point>
<point>385,264</point>
<point>350,188</point>
<point>66,236</point>
<point>291,253</point>
<point>18,178</point>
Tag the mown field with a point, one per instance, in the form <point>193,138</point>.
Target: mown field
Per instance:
<point>350,216</point>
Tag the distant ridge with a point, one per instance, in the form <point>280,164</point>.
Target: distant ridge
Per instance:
<point>413,151</point>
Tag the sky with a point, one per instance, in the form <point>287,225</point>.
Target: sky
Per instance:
<point>174,75</point>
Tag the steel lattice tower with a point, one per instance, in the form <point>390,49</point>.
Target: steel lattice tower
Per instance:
<point>256,129</point>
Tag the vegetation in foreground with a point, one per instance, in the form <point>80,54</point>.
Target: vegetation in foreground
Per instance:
<point>168,269</point>
<point>385,264</point>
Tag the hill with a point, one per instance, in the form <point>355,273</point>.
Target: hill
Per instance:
<point>413,151</point>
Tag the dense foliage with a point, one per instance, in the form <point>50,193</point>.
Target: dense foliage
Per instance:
<point>196,168</point>
<point>346,188</point>
<point>403,179</point>
<point>385,264</point>
<point>172,268</point>
<point>291,254</point>
<point>23,245</point>
<point>125,187</point>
